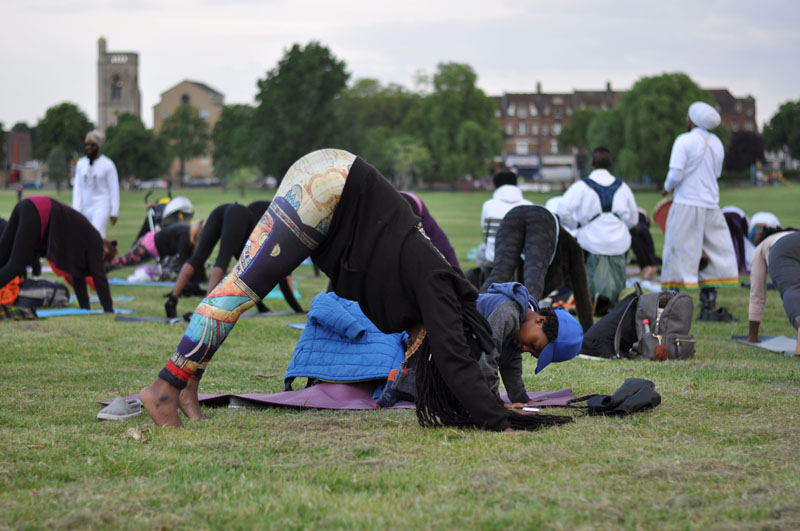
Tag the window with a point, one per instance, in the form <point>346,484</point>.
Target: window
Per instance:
<point>558,112</point>
<point>204,115</point>
<point>734,126</point>
<point>510,110</point>
<point>553,146</point>
<point>535,128</point>
<point>533,110</point>
<point>522,128</point>
<point>545,131</point>
<point>522,112</point>
<point>749,126</point>
<point>185,98</point>
<point>749,110</point>
<point>522,148</point>
<point>116,88</point>
<point>509,128</point>
<point>556,128</point>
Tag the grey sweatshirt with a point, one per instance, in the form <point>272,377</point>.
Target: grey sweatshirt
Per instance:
<point>506,356</point>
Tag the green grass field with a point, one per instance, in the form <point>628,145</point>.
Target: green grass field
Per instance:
<point>719,452</point>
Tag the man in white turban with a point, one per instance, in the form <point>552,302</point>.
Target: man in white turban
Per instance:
<point>95,192</point>
<point>696,228</point>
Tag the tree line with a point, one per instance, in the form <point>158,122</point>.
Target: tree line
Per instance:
<point>443,130</point>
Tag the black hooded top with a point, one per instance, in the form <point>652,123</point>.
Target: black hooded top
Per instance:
<point>375,254</point>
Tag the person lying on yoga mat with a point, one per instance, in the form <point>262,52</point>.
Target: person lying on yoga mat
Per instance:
<point>229,224</point>
<point>178,239</point>
<point>777,253</point>
<point>336,208</point>
<point>519,325</point>
<point>41,226</point>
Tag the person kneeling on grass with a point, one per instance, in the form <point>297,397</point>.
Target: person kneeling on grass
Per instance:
<point>357,228</point>
<point>519,325</point>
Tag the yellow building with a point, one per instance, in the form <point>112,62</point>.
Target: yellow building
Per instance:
<point>208,102</point>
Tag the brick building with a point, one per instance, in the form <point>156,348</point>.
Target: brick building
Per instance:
<point>531,122</point>
<point>209,103</point>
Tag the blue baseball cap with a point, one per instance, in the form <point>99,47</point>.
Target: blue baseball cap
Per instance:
<point>566,346</point>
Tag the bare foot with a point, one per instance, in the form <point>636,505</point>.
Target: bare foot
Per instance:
<point>188,401</point>
<point>161,402</point>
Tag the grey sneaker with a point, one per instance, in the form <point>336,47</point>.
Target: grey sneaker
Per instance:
<point>121,409</point>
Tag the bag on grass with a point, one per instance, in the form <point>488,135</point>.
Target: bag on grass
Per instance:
<point>635,394</point>
<point>42,293</point>
<point>663,323</point>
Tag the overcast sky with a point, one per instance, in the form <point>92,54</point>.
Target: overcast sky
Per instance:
<point>49,47</point>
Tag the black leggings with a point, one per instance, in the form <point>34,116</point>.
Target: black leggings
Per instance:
<point>530,229</point>
<point>228,224</point>
<point>642,243</point>
<point>19,241</point>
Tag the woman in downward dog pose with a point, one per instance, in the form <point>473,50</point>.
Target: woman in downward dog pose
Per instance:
<point>342,212</point>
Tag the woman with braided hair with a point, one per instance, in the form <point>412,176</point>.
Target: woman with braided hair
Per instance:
<point>342,212</point>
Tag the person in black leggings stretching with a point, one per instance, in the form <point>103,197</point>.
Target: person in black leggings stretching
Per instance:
<point>41,226</point>
<point>229,224</point>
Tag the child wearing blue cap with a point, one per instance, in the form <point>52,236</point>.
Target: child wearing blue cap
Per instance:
<point>520,325</point>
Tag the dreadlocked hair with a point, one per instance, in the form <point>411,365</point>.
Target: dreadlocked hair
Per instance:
<point>550,326</point>
<point>438,406</point>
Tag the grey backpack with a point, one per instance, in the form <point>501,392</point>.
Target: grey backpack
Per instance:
<point>662,318</point>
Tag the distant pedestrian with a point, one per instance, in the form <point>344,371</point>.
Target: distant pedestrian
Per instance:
<point>95,193</point>
<point>19,192</point>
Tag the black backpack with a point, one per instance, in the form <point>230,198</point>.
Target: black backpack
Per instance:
<point>635,394</point>
<point>42,293</point>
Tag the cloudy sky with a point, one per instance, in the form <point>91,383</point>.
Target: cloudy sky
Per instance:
<point>49,47</point>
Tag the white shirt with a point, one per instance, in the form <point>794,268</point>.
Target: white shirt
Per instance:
<point>96,186</point>
<point>694,167</point>
<point>494,210</point>
<point>598,232</point>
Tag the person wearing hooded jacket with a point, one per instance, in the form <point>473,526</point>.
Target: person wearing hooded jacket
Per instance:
<point>512,312</point>
<point>506,196</point>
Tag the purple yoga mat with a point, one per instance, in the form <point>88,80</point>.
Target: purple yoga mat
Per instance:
<point>345,396</point>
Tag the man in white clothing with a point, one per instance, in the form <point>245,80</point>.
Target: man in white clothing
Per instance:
<point>602,210</point>
<point>506,196</point>
<point>95,192</point>
<point>696,227</point>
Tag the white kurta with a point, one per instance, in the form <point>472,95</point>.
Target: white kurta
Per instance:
<point>598,232</point>
<point>95,192</point>
<point>695,223</point>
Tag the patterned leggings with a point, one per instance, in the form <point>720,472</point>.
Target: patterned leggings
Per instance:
<point>293,226</point>
<point>135,256</point>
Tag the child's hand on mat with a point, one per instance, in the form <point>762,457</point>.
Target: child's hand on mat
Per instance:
<point>515,405</point>
<point>753,339</point>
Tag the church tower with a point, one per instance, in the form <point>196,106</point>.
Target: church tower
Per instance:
<point>117,85</point>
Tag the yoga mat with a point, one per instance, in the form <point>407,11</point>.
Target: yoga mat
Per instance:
<point>165,320</point>
<point>95,298</point>
<point>298,326</point>
<point>649,285</point>
<point>274,294</point>
<point>59,312</point>
<point>780,344</point>
<point>351,396</point>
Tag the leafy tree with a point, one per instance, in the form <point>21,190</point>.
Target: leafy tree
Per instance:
<point>654,113</point>
<point>745,148</point>
<point>135,150</point>
<point>575,133</point>
<point>296,111</point>
<point>57,167</point>
<point>186,133</point>
<point>243,178</point>
<point>411,159</point>
<point>783,130</point>
<point>63,125</point>
<point>461,130</point>
<point>232,139</point>
<point>368,105</point>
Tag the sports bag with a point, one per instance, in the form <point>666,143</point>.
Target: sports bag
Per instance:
<point>663,322</point>
<point>635,394</point>
<point>42,293</point>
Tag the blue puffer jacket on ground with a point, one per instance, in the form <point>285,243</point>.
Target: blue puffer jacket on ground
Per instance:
<point>340,344</point>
